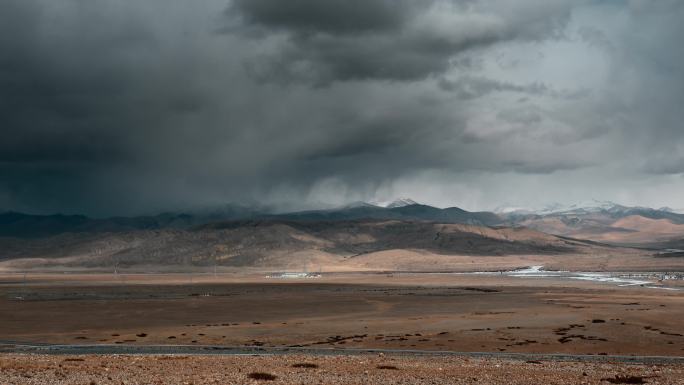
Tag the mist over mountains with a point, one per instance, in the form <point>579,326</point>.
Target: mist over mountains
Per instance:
<point>603,221</point>
<point>14,224</point>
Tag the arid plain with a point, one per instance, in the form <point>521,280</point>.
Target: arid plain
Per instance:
<point>407,311</point>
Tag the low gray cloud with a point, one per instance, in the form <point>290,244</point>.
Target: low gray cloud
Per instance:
<point>136,107</point>
<point>381,39</point>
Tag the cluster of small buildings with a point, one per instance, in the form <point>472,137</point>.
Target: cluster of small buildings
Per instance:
<point>676,276</point>
<point>671,276</point>
<point>297,275</point>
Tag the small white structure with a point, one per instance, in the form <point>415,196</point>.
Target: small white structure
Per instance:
<point>291,275</point>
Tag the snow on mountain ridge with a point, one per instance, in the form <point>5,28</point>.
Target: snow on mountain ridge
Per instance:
<point>401,202</point>
<point>671,210</point>
<point>509,209</point>
<point>581,207</point>
<point>586,207</point>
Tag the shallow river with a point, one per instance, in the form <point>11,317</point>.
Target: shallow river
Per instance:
<point>620,279</point>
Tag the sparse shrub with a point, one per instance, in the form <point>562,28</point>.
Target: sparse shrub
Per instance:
<point>306,365</point>
<point>625,380</point>
<point>261,376</point>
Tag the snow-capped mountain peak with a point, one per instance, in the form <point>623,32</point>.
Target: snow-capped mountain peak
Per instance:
<point>401,202</point>
<point>512,209</point>
<point>671,210</point>
<point>581,207</point>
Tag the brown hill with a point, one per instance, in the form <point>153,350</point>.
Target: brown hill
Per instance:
<point>282,244</point>
<point>629,230</point>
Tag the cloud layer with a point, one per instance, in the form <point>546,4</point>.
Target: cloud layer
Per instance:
<point>386,39</point>
<point>126,107</point>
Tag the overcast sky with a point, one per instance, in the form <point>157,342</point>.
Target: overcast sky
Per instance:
<point>118,107</point>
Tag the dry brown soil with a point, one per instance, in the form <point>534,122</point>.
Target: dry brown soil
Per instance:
<point>302,369</point>
<point>418,311</point>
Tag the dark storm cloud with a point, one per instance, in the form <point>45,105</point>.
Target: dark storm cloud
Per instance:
<point>383,39</point>
<point>86,88</point>
<point>335,16</point>
<point>110,107</point>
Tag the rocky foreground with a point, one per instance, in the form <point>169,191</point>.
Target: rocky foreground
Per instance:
<point>303,369</point>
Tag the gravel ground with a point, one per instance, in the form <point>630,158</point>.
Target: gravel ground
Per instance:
<point>27,369</point>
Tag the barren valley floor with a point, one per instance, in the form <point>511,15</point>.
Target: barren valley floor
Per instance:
<point>414,312</point>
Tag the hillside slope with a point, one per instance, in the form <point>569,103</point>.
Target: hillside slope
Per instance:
<point>609,223</point>
<point>279,244</point>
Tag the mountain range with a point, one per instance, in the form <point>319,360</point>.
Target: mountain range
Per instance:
<point>243,236</point>
<point>604,222</point>
<point>283,244</point>
<point>601,221</point>
<point>13,224</point>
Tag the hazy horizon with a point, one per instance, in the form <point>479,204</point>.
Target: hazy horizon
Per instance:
<point>542,208</point>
